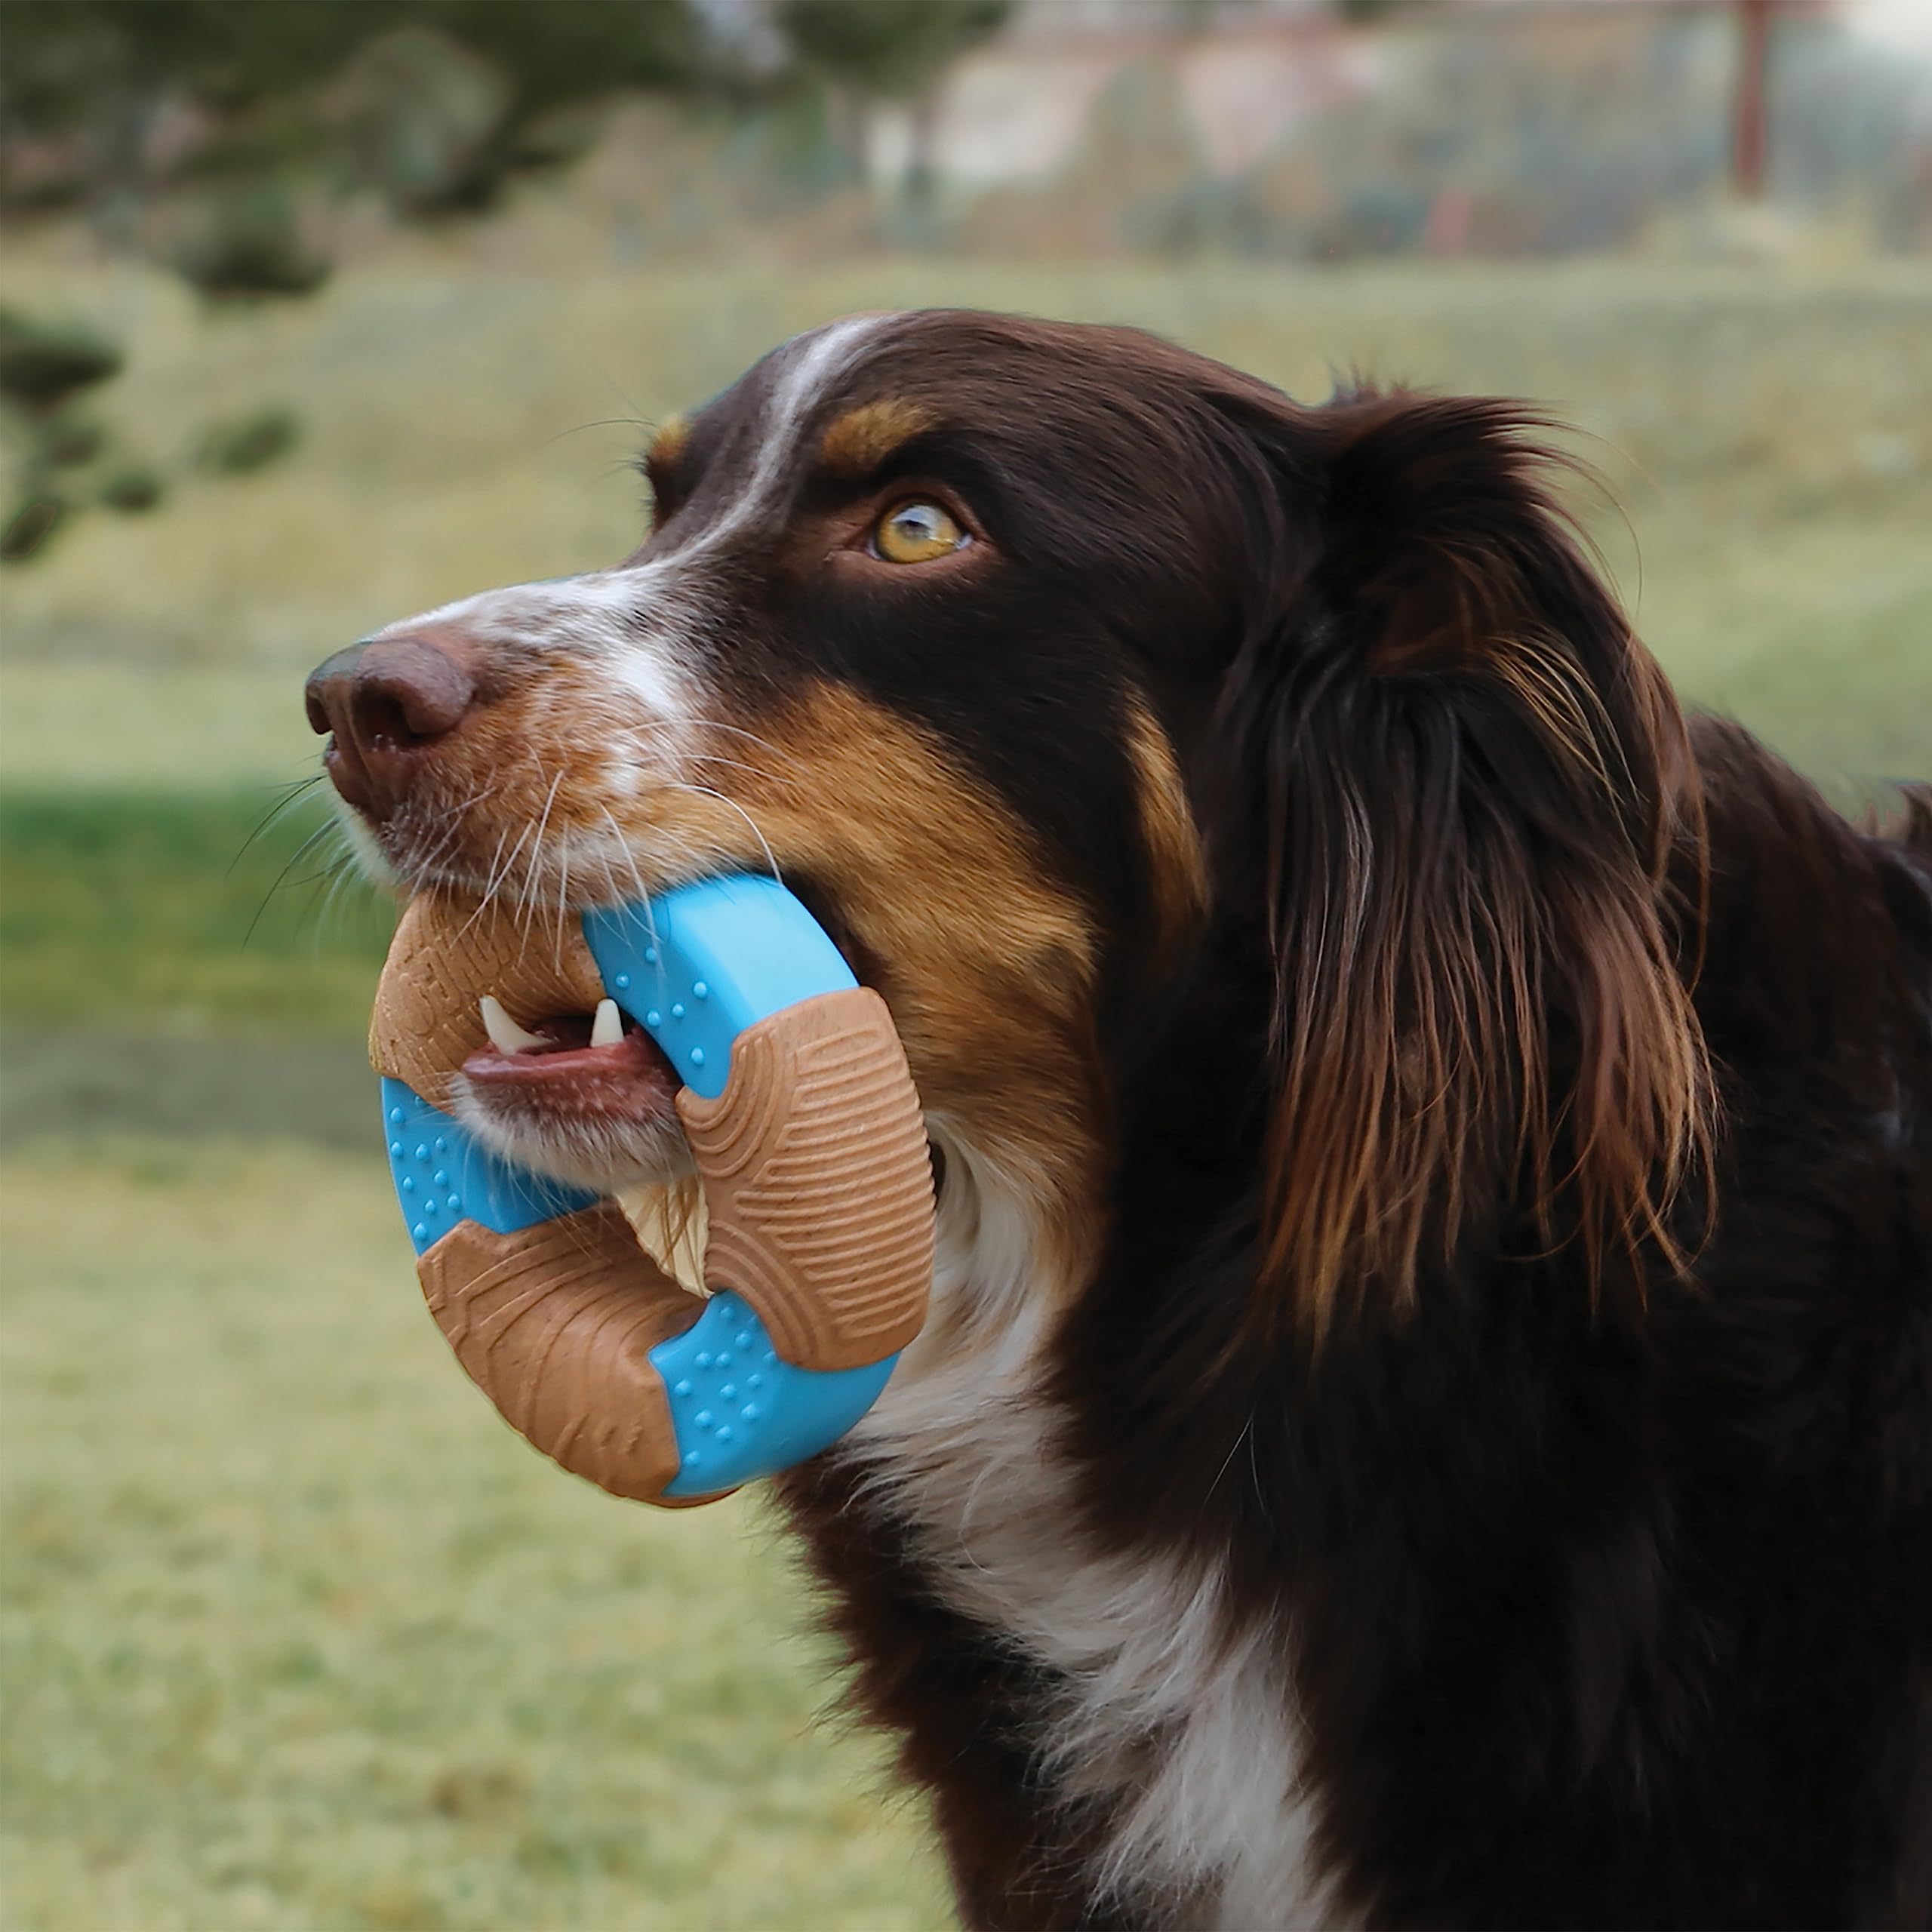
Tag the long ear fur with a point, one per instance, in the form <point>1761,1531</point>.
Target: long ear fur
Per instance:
<point>1467,779</point>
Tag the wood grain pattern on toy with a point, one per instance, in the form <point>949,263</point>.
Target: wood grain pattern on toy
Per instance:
<point>448,952</point>
<point>816,1176</point>
<point>554,1323</point>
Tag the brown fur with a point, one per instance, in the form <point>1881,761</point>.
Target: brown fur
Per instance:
<point>1462,1003</point>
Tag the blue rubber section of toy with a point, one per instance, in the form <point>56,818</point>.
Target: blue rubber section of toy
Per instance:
<point>740,1410</point>
<point>695,967</point>
<point>442,1175</point>
<point>698,965</point>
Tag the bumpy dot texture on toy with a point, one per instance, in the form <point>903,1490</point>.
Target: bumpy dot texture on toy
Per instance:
<point>806,1132</point>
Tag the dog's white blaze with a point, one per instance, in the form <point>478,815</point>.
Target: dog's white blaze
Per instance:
<point>645,621</point>
<point>674,579</point>
<point>820,359</point>
<point>599,610</point>
<point>647,670</point>
<point>963,1446</point>
<point>816,361</point>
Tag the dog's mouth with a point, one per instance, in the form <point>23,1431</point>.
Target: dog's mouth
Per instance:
<point>580,1092</point>
<point>583,1069</point>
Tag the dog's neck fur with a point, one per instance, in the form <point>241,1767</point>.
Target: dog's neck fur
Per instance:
<point>1238,1627</point>
<point>1170,1720</point>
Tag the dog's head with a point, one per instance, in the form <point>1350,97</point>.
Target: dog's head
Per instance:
<point>1152,744</point>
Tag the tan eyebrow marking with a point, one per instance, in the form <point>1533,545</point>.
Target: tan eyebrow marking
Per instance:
<point>673,433</point>
<point>863,438</point>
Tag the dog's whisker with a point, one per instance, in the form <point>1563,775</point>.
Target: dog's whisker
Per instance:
<point>281,878</point>
<point>527,899</point>
<point>292,795</point>
<point>715,758</point>
<point>732,804</point>
<point>687,727</point>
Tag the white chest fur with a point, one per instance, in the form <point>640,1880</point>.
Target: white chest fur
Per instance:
<point>1181,1718</point>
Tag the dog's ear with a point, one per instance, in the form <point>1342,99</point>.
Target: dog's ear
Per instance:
<point>1459,781</point>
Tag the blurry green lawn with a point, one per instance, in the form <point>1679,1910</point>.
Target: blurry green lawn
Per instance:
<point>297,1635</point>
<point>184,910</point>
<point>1767,432</point>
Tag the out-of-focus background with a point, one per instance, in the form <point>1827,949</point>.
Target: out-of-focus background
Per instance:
<point>315,312</point>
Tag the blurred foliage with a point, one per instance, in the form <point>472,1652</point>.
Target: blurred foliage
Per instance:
<point>883,47</point>
<point>30,525</point>
<point>69,460</point>
<point>243,444</point>
<point>185,911</point>
<point>42,364</point>
<point>426,117</point>
<point>69,61</point>
<point>70,437</point>
<point>134,489</point>
<point>565,51</point>
<point>249,242</point>
<point>257,106</point>
<point>435,102</point>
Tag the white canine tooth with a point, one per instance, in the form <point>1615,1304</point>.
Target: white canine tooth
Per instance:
<point>506,1036</point>
<point>607,1028</point>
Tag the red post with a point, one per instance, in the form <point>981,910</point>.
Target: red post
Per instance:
<point>1748,129</point>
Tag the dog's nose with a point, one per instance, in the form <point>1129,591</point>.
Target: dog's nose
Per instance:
<point>386,702</point>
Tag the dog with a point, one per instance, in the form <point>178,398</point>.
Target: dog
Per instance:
<point>1426,1414</point>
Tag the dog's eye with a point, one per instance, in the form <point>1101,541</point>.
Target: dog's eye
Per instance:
<point>916,534</point>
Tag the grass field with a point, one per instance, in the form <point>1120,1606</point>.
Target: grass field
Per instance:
<point>297,1635</point>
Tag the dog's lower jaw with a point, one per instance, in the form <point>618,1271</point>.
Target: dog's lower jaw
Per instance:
<point>602,1157</point>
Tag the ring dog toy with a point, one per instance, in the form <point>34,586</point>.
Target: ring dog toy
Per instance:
<point>806,1133</point>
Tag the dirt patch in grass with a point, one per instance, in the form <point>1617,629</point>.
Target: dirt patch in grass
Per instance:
<point>71,1082</point>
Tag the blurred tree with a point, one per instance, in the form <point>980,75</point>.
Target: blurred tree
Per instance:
<point>886,48</point>
<point>68,61</point>
<point>65,460</point>
<point>248,243</point>
<point>44,365</point>
<point>563,50</point>
<point>474,92</point>
<point>244,443</point>
<point>424,118</point>
<point>1364,12</point>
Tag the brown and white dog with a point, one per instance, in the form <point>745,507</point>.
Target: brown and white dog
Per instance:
<point>1426,1418</point>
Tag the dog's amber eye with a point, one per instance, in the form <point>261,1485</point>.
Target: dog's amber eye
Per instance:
<point>916,533</point>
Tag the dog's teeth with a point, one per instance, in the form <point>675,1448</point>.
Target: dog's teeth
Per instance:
<point>506,1036</point>
<point>607,1028</point>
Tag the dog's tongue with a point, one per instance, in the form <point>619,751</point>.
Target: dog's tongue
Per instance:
<point>563,1066</point>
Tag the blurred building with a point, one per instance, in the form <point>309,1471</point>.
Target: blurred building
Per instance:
<point>1282,127</point>
<point>1018,108</point>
